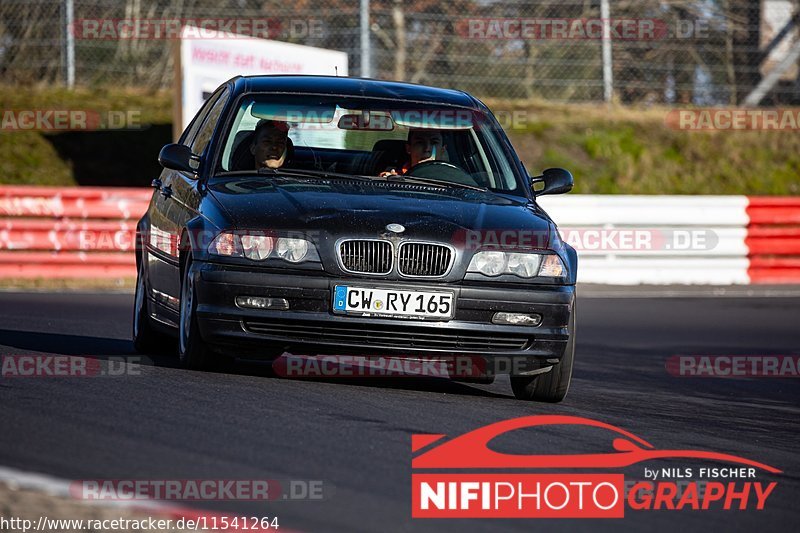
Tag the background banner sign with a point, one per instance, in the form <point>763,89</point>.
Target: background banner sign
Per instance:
<point>216,57</point>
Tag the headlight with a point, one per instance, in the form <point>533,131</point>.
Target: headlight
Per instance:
<point>293,250</point>
<point>524,265</point>
<point>489,263</point>
<point>258,247</point>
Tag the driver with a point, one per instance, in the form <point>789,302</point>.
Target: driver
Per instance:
<point>421,146</point>
<point>270,143</point>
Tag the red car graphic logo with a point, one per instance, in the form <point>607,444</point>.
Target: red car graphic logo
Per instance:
<point>471,450</point>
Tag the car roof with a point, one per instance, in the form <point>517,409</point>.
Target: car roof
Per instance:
<point>365,87</point>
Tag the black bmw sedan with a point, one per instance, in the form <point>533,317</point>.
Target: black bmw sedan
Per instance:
<point>326,215</point>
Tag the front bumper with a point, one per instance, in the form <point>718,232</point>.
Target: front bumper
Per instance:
<point>310,326</point>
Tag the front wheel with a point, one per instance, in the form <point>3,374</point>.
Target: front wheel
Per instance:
<point>553,386</point>
<point>191,350</point>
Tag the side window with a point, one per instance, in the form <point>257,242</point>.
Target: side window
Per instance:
<point>204,135</point>
<point>194,125</point>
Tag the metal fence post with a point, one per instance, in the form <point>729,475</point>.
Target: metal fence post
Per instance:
<point>69,43</point>
<point>366,52</point>
<point>608,75</point>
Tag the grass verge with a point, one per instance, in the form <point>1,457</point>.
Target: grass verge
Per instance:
<point>27,157</point>
<point>64,285</point>
<point>618,150</point>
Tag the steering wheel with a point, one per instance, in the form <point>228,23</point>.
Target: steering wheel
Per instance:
<point>441,170</point>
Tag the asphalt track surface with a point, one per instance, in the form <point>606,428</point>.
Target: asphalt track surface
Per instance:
<point>354,435</point>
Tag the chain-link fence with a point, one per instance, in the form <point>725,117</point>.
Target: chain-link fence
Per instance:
<point>702,52</point>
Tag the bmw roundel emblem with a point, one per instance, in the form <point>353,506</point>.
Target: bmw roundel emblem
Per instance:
<point>395,228</point>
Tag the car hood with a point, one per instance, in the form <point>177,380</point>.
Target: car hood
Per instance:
<point>340,207</point>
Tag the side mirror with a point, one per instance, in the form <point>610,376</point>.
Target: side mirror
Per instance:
<point>552,181</point>
<point>179,157</point>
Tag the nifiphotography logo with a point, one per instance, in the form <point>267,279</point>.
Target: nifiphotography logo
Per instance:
<point>466,478</point>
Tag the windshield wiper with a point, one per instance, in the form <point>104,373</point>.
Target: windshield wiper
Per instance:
<point>435,182</point>
<point>292,173</point>
<point>295,173</point>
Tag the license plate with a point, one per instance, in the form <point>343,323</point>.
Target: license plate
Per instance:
<point>365,301</point>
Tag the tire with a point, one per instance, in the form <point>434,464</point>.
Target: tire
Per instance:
<point>146,339</point>
<point>192,352</point>
<point>553,386</point>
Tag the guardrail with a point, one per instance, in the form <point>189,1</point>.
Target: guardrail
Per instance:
<point>88,232</point>
<point>81,232</point>
<point>715,240</point>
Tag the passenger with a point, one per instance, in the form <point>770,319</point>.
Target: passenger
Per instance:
<point>421,146</point>
<point>270,144</point>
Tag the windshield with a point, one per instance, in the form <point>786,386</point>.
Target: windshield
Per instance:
<point>367,137</point>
